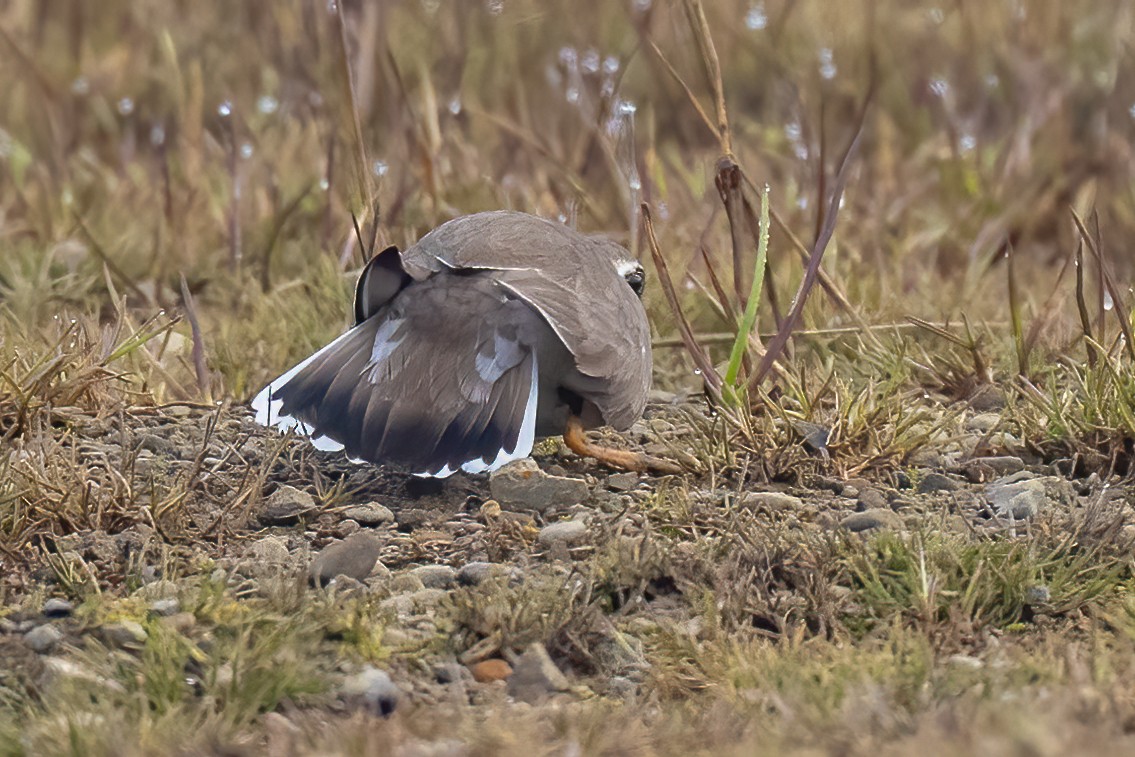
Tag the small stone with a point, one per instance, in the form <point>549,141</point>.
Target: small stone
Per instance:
<point>405,583</point>
<point>417,602</point>
<point>125,633</point>
<point>981,469</point>
<point>181,622</point>
<point>372,690</point>
<point>42,639</point>
<point>622,482</point>
<point>563,532</point>
<point>369,516</point>
<point>488,671</point>
<point>938,482</point>
<point>450,672</point>
<point>1038,595</point>
<point>475,573</point>
<point>773,501</point>
<point>870,520</point>
<point>1023,495</point>
<point>536,677</point>
<point>165,607</point>
<point>983,423</point>
<point>57,608</point>
<point>271,550</point>
<point>286,506</point>
<point>353,557</point>
<point>435,576</point>
<point>871,499</point>
<point>522,485</point>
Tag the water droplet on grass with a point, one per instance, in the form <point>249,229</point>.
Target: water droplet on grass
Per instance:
<point>380,168</point>
<point>267,104</point>
<point>225,109</point>
<point>827,64</point>
<point>246,150</point>
<point>757,17</point>
<point>125,106</point>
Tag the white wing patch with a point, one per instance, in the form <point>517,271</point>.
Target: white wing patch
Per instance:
<point>524,440</point>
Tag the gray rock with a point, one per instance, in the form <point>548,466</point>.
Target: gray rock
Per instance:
<point>371,690</point>
<point>165,607</point>
<point>938,482</point>
<point>43,639</point>
<point>369,516</point>
<point>125,633</point>
<point>983,423</point>
<point>563,532</point>
<point>1038,594</point>
<point>622,482</point>
<point>435,576</point>
<point>475,573</point>
<point>872,499</point>
<point>870,520</point>
<point>57,608</point>
<point>1023,495</point>
<point>451,672</point>
<point>535,676</point>
<point>353,557</point>
<point>774,501</point>
<point>522,485</point>
<point>418,602</point>
<point>271,551</point>
<point>982,469</point>
<point>286,506</point>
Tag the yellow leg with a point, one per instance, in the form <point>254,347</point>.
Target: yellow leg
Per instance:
<point>576,440</point>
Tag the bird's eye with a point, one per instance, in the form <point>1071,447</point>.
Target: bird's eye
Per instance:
<point>637,280</point>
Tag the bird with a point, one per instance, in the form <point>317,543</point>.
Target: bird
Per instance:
<point>493,330</point>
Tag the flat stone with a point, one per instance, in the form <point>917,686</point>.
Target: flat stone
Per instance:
<point>872,499</point>
<point>475,573</point>
<point>57,608</point>
<point>981,469</point>
<point>353,557</point>
<point>435,576</point>
<point>774,501</point>
<point>286,506</point>
<point>369,516</point>
<point>938,482</point>
<point>125,633</point>
<point>1023,495</point>
<point>563,532</point>
<point>44,638</point>
<point>372,690</point>
<point>488,671</point>
<point>417,602</point>
<point>535,676</point>
<point>165,607</point>
<point>870,520</point>
<point>983,423</point>
<point>271,550</point>
<point>622,482</point>
<point>522,485</point>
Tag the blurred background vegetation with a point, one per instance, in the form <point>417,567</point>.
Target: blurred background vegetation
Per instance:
<point>145,141</point>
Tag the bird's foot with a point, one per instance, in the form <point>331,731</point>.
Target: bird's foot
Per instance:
<point>576,440</point>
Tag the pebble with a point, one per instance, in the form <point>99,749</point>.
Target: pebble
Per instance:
<point>165,607</point>
<point>353,557</point>
<point>125,633</point>
<point>488,671</point>
<point>435,576</point>
<point>42,639</point>
<point>981,469</point>
<point>938,482</point>
<point>983,423</point>
<point>1023,495</point>
<point>536,677</point>
<point>475,573</point>
<point>774,501</point>
<point>271,550</point>
<point>371,690</point>
<point>286,506</point>
<point>622,482</point>
<point>1038,594</point>
<point>181,622</point>
<point>522,485</point>
<point>871,499</point>
<point>369,516</point>
<point>57,608</point>
<point>563,532</point>
<point>870,520</point>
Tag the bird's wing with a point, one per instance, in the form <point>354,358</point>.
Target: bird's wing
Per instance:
<point>443,379</point>
<point>572,281</point>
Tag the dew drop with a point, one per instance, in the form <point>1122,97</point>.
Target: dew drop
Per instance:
<point>568,56</point>
<point>380,168</point>
<point>562,218</point>
<point>827,63</point>
<point>591,61</point>
<point>157,135</point>
<point>966,143</point>
<point>1108,302</point>
<point>267,104</point>
<point>225,109</point>
<point>642,6</point>
<point>246,150</point>
<point>455,105</point>
<point>125,106</point>
<point>324,184</point>
<point>936,15</point>
<point>610,65</point>
<point>626,108</point>
<point>992,81</point>
<point>81,86</point>
<point>572,95</point>
<point>757,17</point>
<point>793,131</point>
<point>495,7</point>
<point>697,371</point>
<point>939,86</point>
